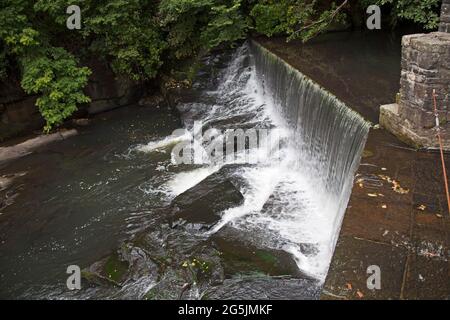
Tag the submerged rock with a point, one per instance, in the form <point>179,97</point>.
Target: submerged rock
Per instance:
<point>160,263</point>
<point>242,255</point>
<point>154,101</point>
<point>168,260</point>
<point>201,206</point>
<point>111,270</point>
<point>28,146</point>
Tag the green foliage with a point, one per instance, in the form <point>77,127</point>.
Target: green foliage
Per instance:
<point>226,25</point>
<point>53,73</point>
<point>195,26</point>
<point>182,20</point>
<point>270,18</point>
<point>123,32</point>
<point>422,12</point>
<point>3,64</point>
<point>320,23</point>
<point>139,38</point>
<point>49,71</point>
<point>126,33</point>
<point>295,18</point>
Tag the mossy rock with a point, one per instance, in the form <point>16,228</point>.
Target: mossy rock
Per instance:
<point>115,269</point>
<point>244,258</point>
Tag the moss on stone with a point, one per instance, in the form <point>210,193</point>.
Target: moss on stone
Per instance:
<point>267,257</point>
<point>115,269</point>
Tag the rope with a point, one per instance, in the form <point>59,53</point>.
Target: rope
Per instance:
<point>438,134</point>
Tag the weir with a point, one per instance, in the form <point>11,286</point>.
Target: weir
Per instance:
<point>281,215</point>
<point>328,135</point>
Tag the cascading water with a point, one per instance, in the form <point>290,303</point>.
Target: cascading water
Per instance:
<point>110,185</point>
<point>328,138</point>
<point>297,193</point>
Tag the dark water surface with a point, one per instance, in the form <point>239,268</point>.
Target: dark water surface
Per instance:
<point>360,68</point>
<point>79,197</point>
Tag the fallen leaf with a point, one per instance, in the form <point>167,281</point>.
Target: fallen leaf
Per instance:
<point>359,294</point>
<point>384,206</point>
<point>367,153</point>
<point>422,207</point>
<point>349,286</point>
<point>395,184</point>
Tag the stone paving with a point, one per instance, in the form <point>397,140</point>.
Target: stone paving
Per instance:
<point>397,216</point>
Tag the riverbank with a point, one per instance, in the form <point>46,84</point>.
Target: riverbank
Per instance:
<point>396,217</point>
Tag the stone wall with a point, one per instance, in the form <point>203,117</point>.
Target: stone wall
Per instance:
<point>444,25</point>
<point>425,66</point>
<point>108,91</point>
<point>18,112</point>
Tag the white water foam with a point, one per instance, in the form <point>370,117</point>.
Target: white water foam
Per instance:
<point>186,180</point>
<point>283,200</point>
<point>165,143</point>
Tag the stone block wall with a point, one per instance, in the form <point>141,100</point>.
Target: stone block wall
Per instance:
<point>425,66</point>
<point>444,25</point>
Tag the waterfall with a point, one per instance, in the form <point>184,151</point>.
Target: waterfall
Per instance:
<point>328,136</point>
<point>296,195</point>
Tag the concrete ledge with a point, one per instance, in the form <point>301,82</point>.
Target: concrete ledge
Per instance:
<point>420,138</point>
<point>26,147</point>
<point>350,261</point>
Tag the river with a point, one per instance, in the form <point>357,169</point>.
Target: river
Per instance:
<point>113,195</point>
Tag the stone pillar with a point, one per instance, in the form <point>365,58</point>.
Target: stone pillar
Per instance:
<point>444,26</point>
<point>425,66</point>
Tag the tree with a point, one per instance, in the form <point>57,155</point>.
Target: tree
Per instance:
<point>138,38</point>
<point>422,12</point>
<point>194,26</point>
<point>302,19</point>
<point>126,33</point>
<point>47,70</point>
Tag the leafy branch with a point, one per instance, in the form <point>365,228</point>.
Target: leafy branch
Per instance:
<point>318,26</point>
